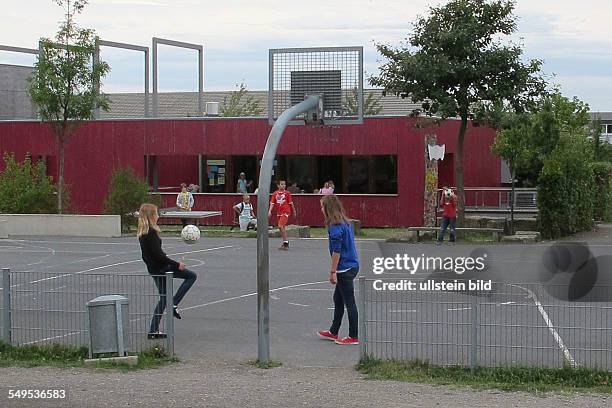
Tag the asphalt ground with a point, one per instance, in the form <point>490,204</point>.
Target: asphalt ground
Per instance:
<point>519,322</point>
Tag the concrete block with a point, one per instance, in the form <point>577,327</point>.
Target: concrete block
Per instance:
<point>293,231</point>
<point>521,239</point>
<point>404,237</point>
<point>128,360</point>
<point>3,230</point>
<point>356,224</point>
<point>63,225</point>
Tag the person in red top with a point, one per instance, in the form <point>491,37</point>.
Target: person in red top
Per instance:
<point>281,199</point>
<point>448,202</point>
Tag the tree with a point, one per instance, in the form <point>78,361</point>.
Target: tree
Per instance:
<point>454,59</point>
<point>24,187</point>
<point>126,193</point>
<point>65,83</point>
<point>240,103</point>
<point>371,103</point>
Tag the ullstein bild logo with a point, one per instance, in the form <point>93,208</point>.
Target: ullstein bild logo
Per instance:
<point>413,265</point>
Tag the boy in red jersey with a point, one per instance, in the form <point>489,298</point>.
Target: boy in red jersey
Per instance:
<point>281,199</point>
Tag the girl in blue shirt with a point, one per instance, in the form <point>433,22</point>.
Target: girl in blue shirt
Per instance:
<point>344,269</point>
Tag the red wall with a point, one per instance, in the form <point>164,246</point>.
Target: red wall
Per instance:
<point>100,146</point>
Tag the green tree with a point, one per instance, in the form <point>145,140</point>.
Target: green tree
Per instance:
<point>455,58</point>
<point>371,103</point>
<point>239,103</point>
<point>65,83</point>
<point>126,193</point>
<point>25,189</point>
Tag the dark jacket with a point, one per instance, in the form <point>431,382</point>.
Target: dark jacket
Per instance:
<point>153,255</point>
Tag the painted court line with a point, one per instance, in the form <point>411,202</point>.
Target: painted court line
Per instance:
<point>551,327</point>
<point>119,263</point>
<point>246,295</point>
<point>298,304</point>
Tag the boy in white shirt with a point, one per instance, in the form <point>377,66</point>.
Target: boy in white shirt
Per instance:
<point>246,213</point>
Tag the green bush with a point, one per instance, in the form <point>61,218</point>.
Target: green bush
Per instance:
<point>566,187</point>
<point>126,193</point>
<point>25,189</point>
<point>603,191</point>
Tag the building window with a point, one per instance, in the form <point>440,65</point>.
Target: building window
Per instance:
<point>385,174</point>
<point>606,129</point>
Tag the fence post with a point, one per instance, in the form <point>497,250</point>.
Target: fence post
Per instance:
<point>474,330</point>
<point>362,317</point>
<point>170,313</point>
<point>6,305</point>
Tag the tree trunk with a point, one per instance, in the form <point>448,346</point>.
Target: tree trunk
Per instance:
<point>60,176</point>
<point>459,173</point>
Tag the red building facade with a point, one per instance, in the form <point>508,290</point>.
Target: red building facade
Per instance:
<point>388,149</point>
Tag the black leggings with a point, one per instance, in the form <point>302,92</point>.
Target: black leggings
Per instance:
<point>344,296</point>
<point>160,281</point>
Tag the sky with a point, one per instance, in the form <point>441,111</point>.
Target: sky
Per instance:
<point>573,38</point>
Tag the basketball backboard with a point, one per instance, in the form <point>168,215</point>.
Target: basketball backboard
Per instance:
<point>333,73</point>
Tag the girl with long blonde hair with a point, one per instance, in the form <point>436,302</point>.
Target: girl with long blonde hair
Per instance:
<point>344,269</point>
<point>158,264</point>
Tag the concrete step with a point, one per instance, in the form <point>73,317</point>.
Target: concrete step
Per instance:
<point>294,231</point>
<point>523,237</point>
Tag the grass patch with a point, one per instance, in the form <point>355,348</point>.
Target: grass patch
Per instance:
<point>265,366</point>
<point>41,355</point>
<point>372,233</point>
<point>58,355</point>
<point>529,379</point>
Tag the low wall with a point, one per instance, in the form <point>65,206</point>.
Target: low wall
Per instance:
<point>66,225</point>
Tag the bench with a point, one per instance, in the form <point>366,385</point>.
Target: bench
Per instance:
<point>496,232</point>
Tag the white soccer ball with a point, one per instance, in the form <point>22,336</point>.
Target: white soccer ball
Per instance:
<point>448,193</point>
<point>190,234</point>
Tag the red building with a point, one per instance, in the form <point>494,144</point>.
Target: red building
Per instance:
<point>378,167</point>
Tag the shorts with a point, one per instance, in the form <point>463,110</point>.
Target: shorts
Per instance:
<point>244,224</point>
<point>283,219</point>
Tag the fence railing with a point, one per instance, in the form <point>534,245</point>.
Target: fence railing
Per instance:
<point>44,307</point>
<point>499,199</point>
<point>512,325</point>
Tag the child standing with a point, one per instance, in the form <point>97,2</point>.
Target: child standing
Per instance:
<point>344,269</point>
<point>246,214</point>
<point>281,199</point>
<point>448,202</point>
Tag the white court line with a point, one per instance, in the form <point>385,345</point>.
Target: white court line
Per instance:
<point>459,308</point>
<point>50,338</point>
<point>313,289</point>
<point>551,327</point>
<point>119,263</point>
<point>298,304</point>
<point>250,294</point>
<point>403,311</point>
<point>507,303</point>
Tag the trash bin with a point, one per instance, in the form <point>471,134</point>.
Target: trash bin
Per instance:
<point>108,325</point>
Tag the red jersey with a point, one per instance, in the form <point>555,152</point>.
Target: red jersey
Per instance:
<point>282,200</point>
<point>450,208</point>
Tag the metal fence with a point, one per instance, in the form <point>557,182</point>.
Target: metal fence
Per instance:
<point>512,325</point>
<point>46,308</point>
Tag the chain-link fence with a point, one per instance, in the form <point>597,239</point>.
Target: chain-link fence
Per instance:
<point>510,325</point>
<point>45,308</point>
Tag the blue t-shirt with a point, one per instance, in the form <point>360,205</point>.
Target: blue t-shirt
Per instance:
<point>342,240</point>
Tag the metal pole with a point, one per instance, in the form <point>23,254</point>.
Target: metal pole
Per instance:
<point>200,82</point>
<point>474,330</point>
<point>263,194</point>
<point>155,101</point>
<point>6,305</point>
<point>96,61</point>
<point>170,313</point>
<point>146,84</point>
<point>362,316</point>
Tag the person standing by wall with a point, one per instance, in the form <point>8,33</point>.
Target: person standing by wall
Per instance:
<point>242,186</point>
<point>246,213</point>
<point>344,269</point>
<point>184,201</point>
<point>448,202</point>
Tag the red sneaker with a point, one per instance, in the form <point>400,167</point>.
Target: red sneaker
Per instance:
<point>347,340</point>
<point>327,335</point>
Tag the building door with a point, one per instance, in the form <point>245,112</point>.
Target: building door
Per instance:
<point>446,171</point>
